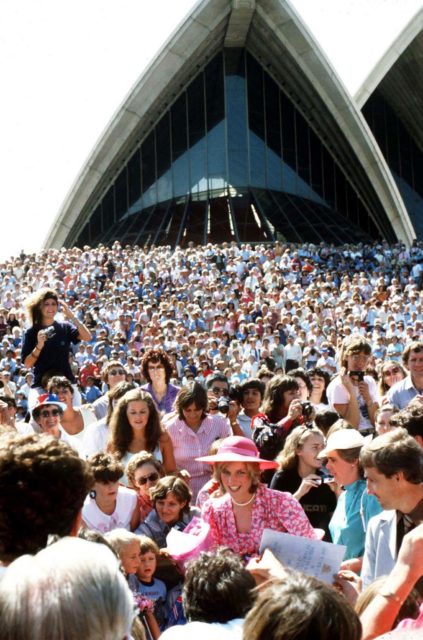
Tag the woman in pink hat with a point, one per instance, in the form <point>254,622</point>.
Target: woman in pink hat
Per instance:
<point>237,519</point>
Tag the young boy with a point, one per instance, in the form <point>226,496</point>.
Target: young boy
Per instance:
<point>149,586</point>
<point>127,546</point>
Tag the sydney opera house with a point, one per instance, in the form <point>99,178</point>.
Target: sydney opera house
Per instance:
<point>240,130</point>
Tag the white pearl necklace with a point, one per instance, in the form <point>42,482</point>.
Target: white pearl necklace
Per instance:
<point>243,504</point>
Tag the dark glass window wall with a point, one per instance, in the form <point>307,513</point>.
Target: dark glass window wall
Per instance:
<point>232,129</point>
<point>403,156</point>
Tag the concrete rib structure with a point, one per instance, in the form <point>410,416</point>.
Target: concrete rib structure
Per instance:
<point>247,38</point>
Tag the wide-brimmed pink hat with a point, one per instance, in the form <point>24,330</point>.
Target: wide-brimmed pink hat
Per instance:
<point>238,449</point>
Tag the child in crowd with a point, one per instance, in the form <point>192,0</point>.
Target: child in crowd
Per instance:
<point>149,586</point>
<point>127,546</point>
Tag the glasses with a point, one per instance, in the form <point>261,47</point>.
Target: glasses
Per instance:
<point>117,372</point>
<point>151,478</point>
<point>47,414</point>
<point>391,372</point>
<point>219,391</point>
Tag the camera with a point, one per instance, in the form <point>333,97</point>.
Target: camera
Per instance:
<point>223,405</point>
<point>307,409</point>
<point>324,476</point>
<point>357,374</point>
<point>49,332</point>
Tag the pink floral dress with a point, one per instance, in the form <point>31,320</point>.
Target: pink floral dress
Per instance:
<point>275,510</point>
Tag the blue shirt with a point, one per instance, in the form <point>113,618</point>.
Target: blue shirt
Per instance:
<point>353,511</point>
<point>402,393</point>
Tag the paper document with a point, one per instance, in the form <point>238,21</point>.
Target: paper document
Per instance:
<point>314,557</point>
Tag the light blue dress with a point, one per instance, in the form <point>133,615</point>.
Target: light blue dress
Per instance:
<point>353,511</point>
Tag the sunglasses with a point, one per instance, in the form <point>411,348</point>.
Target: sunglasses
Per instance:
<point>151,478</point>
<point>47,414</point>
<point>391,372</point>
<point>217,390</point>
<point>117,372</point>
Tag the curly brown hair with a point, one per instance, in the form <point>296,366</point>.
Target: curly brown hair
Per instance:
<point>34,303</point>
<point>43,485</point>
<point>120,430</point>
<point>139,460</point>
<point>159,356</point>
<point>105,467</point>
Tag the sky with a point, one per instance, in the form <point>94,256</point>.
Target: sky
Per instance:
<point>67,67</point>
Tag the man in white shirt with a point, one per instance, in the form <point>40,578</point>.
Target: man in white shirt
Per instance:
<point>293,354</point>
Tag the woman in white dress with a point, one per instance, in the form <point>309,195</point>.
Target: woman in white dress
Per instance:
<point>135,426</point>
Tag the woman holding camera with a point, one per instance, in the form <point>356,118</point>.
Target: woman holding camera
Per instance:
<point>47,343</point>
<point>351,393</point>
<point>301,473</point>
<point>281,411</point>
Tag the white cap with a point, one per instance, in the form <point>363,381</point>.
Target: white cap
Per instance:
<point>344,439</point>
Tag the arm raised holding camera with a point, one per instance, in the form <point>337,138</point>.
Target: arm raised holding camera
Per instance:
<point>350,410</point>
<point>83,332</point>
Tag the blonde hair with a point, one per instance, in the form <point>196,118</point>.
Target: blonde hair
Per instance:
<point>288,457</point>
<point>118,539</point>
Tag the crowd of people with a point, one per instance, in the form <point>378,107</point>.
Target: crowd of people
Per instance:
<point>212,393</point>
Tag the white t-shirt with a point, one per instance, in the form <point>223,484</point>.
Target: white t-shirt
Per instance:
<point>97,520</point>
<point>231,630</point>
<point>95,438</point>
<point>338,394</point>
<point>76,440</point>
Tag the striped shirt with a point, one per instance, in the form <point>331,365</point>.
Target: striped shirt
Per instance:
<point>188,445</point>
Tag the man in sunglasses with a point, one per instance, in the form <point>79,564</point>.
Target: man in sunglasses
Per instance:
<point>112,374</point>
<point>218,384</point>
<point>47,413</point>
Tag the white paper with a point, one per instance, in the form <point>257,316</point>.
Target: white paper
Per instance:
<point>314,557</point>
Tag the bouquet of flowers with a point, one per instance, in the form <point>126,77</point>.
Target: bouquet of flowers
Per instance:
<point>145,605</point>
<point>146,615</point>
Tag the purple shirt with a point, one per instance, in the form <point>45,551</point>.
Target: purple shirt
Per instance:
<point>166,403</point>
